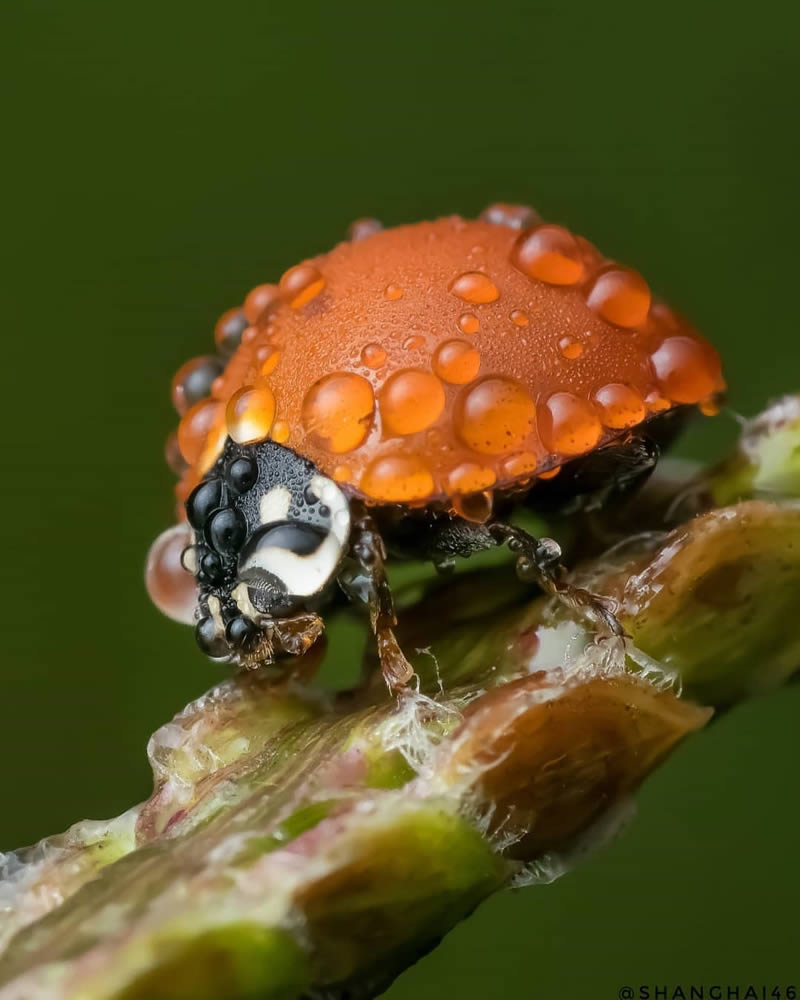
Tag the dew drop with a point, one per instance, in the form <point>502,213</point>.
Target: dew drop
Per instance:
<point>456,361</point>
<point>249,335</point>
<point>247,411</point>
<point>337,411</point>
<point>397,479</point>
<point>656,403</point>
<point>468,323</point>
<point>270,363</point>
<point>568,424</point>
<point>471,478</point>
<point>342,473</point>
<point>550,473</point>
<point>413,343</point>
<point>513,216</point>
<point>363,228</point>
<point>495,416</point>
<point>410,401</point>
<point>476,507</point>
<point>300,284</point>
<point>687,370</point>
<point>520,466</point>
<point>393,293</point>
<point>519,318</point>
<point>620,406</point>
<point>373,356</point>
<point>194,428</point>
<point>570,348</point>
<point>250,413</point>
<point>620,296</point>
<point>172,453</point>
<point>262,300</point>
<point>280,432</point>
<point>193,381</point>
<point>228,331</point>
<point>171,588</point>
<point>550,254</point>
<point>475,287</point>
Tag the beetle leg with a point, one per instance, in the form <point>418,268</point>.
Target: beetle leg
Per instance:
<point>373,588</point>
<point>540,559</point>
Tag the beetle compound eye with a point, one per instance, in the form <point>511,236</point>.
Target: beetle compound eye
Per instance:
<point>208,639</point>
<point>242,634</point>
<point>202,501</point>
<point>241,474</point>
<point>226,531</point>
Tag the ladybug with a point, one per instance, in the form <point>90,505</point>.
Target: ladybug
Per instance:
<point>402,394</point>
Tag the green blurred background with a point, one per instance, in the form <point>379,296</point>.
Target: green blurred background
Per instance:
<point>161,159</point>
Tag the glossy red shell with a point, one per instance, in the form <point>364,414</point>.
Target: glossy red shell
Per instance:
<point>421,362</point>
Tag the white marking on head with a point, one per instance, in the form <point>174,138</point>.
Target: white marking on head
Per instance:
<point>305,575</point>
<point>275,505</point>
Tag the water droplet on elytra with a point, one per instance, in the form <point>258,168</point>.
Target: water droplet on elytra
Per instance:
<point>468,323</point>
<point>495,416</point>
<point>373,356</point>
<point>475,287</point>
<point>410,401</point>
<point>456,361</point>
<point>337,411</point>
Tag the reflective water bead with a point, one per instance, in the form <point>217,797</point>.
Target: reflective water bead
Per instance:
<point>475,507</point>
<point>393,293</point>
<point>620,406</point>
<point>470,478</point>
<point>194,428</point>
<point>262,300</point>
<point>549,253</point>
<point>620,296</point>
<point>250,413</point>
<point>363,228</point>
<point>519,318</point>
<point>495,416</point>
<point>570,348</point>
<point>656,402</point>
<point>229,329</point>
<point>457,362</point>
<point>172,453</point>
<point>475,287</point>
<point>171,588</point>
<point>687,370</point>
<point>410,401</point>
<point>550,473</point>
<point>270,363</point>
<point>342,473</point>
<point>280,432</point>
<point>193,381</point>
<point>513,216</point>
<point>397,478</point>
<point>373,356</point>
<point>338,410</point>
<point>568,424</point>
<point>520,466</point>
<point>300,284</point>
<point>469,323</point>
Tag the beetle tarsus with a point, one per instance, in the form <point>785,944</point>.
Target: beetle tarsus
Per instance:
<point>539,559</point>
<point>369,551</point>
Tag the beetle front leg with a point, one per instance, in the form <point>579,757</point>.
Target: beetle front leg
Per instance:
<point>372,587</point>
<point>540,559</point>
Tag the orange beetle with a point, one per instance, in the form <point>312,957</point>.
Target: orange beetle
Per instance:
<point>402,392</point>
